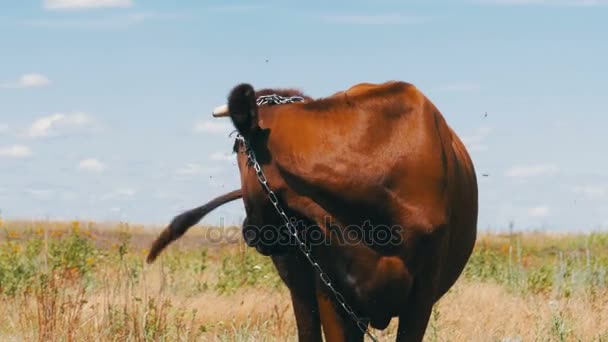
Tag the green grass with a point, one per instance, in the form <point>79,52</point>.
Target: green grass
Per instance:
<point>559,265</point>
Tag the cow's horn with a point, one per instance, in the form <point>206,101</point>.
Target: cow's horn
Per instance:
<point>220,111</point>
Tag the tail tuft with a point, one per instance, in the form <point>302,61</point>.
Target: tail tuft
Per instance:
<point>163,240</point>
<point>182,222</point>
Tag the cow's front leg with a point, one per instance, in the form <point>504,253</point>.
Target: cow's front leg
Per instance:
<point>299,277</point>
<point>337,325</point>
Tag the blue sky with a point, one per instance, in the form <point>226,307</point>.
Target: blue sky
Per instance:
<point>105,104</point>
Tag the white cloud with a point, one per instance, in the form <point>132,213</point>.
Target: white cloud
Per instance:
<point>540,211</point>
<point>120,193</point>
<point>531,171</point>
<point>107,22</point>
<point>195,170</point>
<point>15,151</point>
<point>127,192</point>
<point>40,193</point>
<point>91,165</point>
<point>221,156</point>
<point>592,191</point>
<point>115,209</point>
<point>3,128</point>
<point>32,80</point>
<point>213,126</point>
<point>85,4</point>
<point>474,142</point>
<point>59,124</point>
<point>374,19</point>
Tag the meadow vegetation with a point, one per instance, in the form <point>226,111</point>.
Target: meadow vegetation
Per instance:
<point>81,281</point>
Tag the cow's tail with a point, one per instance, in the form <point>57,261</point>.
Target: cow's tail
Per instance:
<point>182,222</point>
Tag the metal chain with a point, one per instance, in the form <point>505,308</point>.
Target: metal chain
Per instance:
<point>275,99</point>
<point>294,232</point>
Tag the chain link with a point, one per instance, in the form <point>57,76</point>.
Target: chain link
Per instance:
<point>276,99</point>
<point>362,325</point>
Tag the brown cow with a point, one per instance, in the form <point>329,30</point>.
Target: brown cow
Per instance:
<point>363,160</point>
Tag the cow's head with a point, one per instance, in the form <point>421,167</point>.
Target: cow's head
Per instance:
<point>262,227</point>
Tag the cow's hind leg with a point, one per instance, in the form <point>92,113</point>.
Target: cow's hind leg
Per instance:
<point>414,318</point>
<point>413,322</point>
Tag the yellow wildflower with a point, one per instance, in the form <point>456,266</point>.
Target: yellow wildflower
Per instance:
<point>76,226</point>
<point>16,248</point>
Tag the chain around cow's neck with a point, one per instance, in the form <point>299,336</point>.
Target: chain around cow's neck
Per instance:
<point>275,99</point>
<point>289,223</point>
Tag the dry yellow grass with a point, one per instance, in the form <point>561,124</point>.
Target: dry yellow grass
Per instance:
<point>202,292</point>
<point>470,312</point>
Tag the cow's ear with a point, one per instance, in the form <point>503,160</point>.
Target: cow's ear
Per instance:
<point>243,109</point>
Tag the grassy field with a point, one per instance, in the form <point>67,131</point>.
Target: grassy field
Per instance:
<point>79,281</point>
